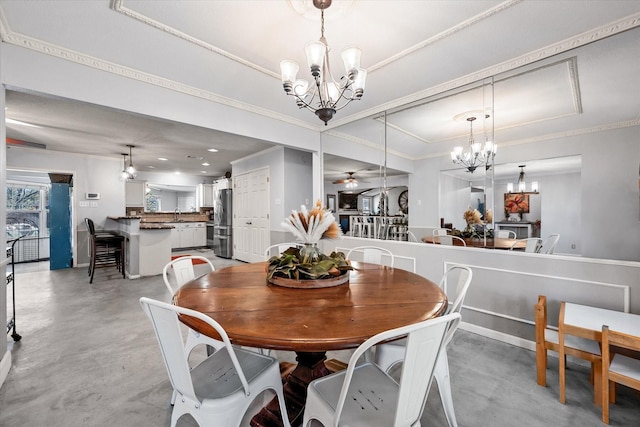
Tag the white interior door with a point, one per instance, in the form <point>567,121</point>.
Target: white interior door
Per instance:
<point>251,226</point>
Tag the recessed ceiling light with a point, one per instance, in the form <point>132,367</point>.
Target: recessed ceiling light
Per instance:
<point>163,159</point>
<point>213,150</point>
<point>151,167</point>
<point>203,171</point>
<point>177,172</point>
<point>205,164</point>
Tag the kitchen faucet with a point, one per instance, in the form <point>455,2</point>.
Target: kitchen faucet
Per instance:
<point>176,213</point>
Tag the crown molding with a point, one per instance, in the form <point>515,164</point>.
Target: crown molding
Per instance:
<point>444,34</point>
<point>576,41</point>
<point>118,6</point>
<point>23,41</point>
<point>551,136</point>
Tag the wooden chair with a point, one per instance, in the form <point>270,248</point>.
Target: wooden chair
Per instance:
<point>587,349</point>
<point>617,368</point>
<point>547,340</point>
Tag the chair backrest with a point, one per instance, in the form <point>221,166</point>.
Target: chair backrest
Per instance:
<point>164,318</point>
<point>533,244</point>
<point>440,231</point>
<point>506,234</point>
<point>424,340</point>
<point>90,226</point>
<point>183,271</point>
<point>373,254</point>
<point>412,237</point>
<point>450,240</point>
<point>280,247</point>
<point>455,283</point>
<point>549,245</point>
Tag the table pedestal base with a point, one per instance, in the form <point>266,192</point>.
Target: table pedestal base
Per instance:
<point>310,366</point>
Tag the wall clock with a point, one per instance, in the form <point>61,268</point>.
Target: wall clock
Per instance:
<point>403,201</point>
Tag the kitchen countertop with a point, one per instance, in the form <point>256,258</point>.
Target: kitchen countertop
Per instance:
<point>155,226</point>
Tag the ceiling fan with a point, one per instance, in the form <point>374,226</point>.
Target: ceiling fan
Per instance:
<point>350,179</point>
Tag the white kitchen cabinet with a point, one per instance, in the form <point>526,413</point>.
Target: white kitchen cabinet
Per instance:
<point>207,195</point>
<point>199,234</point>
<point>188,235</point>
<point>134,192</point>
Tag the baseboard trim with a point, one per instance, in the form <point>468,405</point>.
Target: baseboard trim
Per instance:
<point>5,366</point>
<point>499,336</point>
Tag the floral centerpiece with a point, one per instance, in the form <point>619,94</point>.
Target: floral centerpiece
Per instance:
<point>306,262</point>
<point>476,226</point>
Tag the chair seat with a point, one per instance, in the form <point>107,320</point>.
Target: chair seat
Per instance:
<point>626,366</point>
<point>578,343</point>
<point>224,381</point>
<point>371,400</point>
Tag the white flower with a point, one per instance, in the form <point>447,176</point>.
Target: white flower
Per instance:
<point>312,226</point>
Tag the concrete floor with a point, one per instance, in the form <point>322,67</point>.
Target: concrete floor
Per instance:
<point>89,357</point>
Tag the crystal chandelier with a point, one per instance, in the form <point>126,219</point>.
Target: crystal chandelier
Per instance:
<point>325,96</point>
<point>477,154</point>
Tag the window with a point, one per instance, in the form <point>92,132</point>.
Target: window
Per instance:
<point>26,210</point>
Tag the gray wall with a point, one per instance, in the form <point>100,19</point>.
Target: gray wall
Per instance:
<point>606,193</point>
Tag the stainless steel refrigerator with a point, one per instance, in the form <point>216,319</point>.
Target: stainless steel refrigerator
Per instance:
<point>222,226</point>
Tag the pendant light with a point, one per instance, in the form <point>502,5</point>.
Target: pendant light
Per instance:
<point>522,184</point>
<point>131,170</point>
<point>124,176</point>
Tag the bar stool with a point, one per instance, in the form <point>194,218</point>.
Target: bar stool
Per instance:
<point>106,249</point>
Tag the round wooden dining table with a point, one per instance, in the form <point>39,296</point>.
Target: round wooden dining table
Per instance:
<point>309,322</point>
<point>495,243</point>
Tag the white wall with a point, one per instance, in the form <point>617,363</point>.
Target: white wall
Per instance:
<point>291,182</point>
<point>505,285</point>
<point>90,174</point>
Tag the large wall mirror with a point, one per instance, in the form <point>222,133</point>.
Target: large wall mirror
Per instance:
<point>570,122</point>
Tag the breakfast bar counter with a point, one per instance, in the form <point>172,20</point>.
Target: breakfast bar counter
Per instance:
<point>148,245</point>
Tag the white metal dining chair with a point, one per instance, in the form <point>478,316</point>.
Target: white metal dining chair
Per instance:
<point>175,274</point>
<point>373,254</point>
<point>440,232</point>
<point>506,234</point>
<point>449,240</point>
<point>280,248</point>
<point>411,237</point>
<point>219,389</point>
<point>550,243</point>
<point>364,395</point>
<point>183,271</point>
<point>455,282</point>
<point>533,244</point>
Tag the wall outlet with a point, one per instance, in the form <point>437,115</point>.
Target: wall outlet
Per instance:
<point>93,204</point>
<point>83,204</point>
<point>573,246</point>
